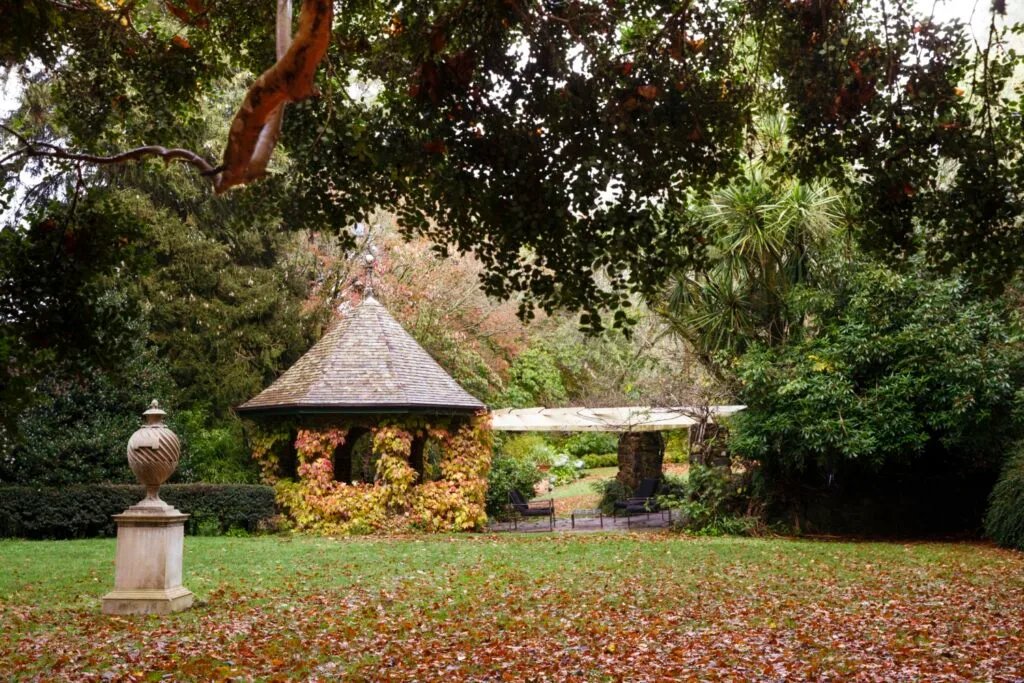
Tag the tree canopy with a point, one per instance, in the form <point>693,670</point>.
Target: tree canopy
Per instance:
<point>553,140</point>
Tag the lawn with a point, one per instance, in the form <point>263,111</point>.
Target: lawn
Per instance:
<point>517,607</point>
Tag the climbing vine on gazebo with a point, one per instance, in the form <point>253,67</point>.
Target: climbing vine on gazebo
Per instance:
<point>397,500</point>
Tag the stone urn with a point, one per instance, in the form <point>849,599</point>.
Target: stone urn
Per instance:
<point>153,452</point>
<point>151,533</point>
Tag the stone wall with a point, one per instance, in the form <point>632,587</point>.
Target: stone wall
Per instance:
<point>640,457</point>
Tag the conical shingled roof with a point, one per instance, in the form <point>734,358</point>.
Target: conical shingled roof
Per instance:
<point>366,363</point>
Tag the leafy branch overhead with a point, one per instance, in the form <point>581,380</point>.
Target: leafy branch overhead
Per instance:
<point>564,144</point>
<point>257,124</point>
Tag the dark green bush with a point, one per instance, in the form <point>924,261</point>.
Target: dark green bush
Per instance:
<point>712,501</point>
<point>595,460</point>
<point>899,399</point>
<point>1004,522</point>
<point>507,474</point>
<point>213,451</point>
<point>85,511</point>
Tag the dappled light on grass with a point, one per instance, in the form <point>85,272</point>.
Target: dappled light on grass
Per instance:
<point>590,607</point>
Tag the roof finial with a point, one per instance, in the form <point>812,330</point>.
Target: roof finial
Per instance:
<point>368,285</point>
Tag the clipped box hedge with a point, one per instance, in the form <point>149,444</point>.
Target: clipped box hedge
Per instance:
<point>85,511</point>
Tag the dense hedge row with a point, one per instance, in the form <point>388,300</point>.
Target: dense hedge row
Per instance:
<point>85,510</point>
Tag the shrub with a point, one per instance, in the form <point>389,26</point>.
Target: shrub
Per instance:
<point>677,446</point>
<point>529,447</point>
<point>507,474</point>
<point>591,443</point>
<point>901,395</point>
<point>711,501</point>
<point>1004,522</point>
<point>77,429</point>
<point>565,470</point>
<point>83,511</point>
<point>673,485</point>
<point>593,460</point>
<point>534,380</point>
<point>611,490</point>
<point>213,453</point>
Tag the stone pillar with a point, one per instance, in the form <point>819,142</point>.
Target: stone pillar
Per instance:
<point>708,445</point>
<point>151,533</point>
<point>641,455</point>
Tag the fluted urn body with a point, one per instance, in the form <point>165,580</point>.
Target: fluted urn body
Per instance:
<point>153,452</point>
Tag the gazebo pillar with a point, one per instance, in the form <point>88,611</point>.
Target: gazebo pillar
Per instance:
<point>641,455</point>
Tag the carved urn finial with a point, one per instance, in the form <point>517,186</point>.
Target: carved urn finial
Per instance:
<point>153,453</point>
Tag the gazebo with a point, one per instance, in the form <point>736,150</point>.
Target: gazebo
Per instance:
<point>367,432</point>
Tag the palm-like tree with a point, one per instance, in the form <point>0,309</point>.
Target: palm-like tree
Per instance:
<point>769,235</point>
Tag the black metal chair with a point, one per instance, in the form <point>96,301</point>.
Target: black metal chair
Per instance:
<point>644,492</point>
<point>643,502</point>
<point>520,507</point>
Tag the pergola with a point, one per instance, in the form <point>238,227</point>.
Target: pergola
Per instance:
<point>627,419</point>
<point>641,446</point>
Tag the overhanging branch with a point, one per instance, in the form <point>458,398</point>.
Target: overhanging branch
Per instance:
<point>257,124</point>
<point>289,80</point>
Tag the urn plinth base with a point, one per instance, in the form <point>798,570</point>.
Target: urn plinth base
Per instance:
<point>150,544</point>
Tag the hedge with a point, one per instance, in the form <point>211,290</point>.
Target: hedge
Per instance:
<point>592,461</point>
<point>85,511</point>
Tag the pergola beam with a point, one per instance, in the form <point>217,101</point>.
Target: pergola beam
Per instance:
<point>623,419</point>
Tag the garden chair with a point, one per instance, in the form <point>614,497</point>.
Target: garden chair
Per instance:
<point>643,501</point>
<point>520,507</point>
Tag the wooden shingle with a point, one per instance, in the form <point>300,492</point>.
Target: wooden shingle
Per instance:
<point>367,363</point>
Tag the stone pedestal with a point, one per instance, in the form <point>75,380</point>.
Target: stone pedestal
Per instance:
<point>150,544</point>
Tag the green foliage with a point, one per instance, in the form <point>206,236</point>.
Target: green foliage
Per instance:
<point>565,470</point>
<point>710,501</point>
<point>659,115</point>
<point>903,389</point>
<point>900,366</point>
<point>528,447</point>
<point>1004,522</point>
<point>677,446</point>
<point>592,461</point>
<point>508,473</point>
<point>78,425</point>
<point>215,454</point>
<point>82,511</point>
<point>611,490</point>
<point>144,287</point>
<point>63,305</point>
<point>534,380</point>
<point>226,296</point>
<point>770,233</point>
<point>583,444</point>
